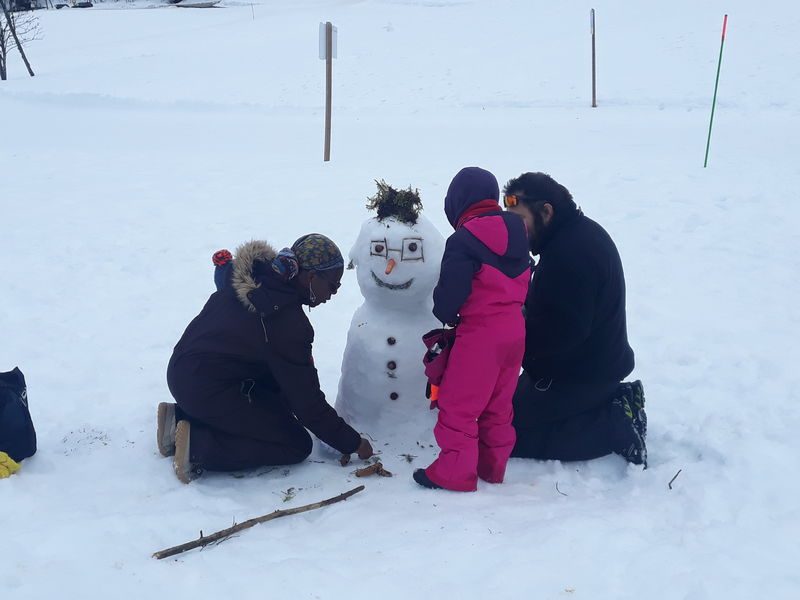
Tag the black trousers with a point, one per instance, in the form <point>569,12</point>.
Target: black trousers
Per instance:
<point>240,425</point>
<point>563,421</point>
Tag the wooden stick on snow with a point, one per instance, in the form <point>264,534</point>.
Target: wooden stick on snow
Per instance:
<point>372,469</point>
<point>220,536</point>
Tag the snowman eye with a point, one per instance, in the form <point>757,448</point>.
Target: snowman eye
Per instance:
<point>412,249</point>
<point>378,248</point>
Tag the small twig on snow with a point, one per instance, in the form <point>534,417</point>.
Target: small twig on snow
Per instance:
<point>674,478</point>
<point>289,493</point>
<point>374,468</point>
<point>559,491</point>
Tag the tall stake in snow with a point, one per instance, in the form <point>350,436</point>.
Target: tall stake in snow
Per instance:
<point>328,86</point>
<point>716,85</point>
<point>594,68</point>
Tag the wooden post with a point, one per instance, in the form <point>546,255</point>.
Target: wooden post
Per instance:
<point>328,86</point>
<point>594,68</point>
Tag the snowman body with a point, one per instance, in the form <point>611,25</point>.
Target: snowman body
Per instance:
<point>382,387</point>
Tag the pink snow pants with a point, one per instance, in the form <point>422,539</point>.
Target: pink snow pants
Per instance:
<point>474,428</point>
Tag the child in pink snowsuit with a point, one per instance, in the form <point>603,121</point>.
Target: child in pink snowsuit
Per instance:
<point>482,287</point>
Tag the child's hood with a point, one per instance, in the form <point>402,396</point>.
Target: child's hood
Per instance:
<point>469,186</point>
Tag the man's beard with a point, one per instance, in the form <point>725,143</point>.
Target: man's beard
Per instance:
<point>536,239</point>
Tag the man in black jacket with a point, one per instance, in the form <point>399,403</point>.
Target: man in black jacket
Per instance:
<point>243,374</point>
<point>569,403</point>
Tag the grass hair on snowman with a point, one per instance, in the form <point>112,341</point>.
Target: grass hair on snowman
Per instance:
<point>403,205</point>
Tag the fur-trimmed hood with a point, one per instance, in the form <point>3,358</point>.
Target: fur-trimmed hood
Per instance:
<point>242,277</point>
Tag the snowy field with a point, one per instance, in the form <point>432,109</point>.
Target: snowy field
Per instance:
<point>151,138</point>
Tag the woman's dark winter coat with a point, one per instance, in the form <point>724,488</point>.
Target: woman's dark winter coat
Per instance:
<point>253,333</point>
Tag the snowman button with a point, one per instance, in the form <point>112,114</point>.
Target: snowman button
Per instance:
<point>394,395</point>
<point>391,341</point>
<point>391,365</point>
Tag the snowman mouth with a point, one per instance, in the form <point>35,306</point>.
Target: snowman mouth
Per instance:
<point>392,286</point>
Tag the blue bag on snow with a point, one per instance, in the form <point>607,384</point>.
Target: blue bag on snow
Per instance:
<point>17,436</point>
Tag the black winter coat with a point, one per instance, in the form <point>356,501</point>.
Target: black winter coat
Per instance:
<point>254,328</point>
<point>575,310</point>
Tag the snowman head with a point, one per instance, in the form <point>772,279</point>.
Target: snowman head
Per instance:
<point>398,253</point>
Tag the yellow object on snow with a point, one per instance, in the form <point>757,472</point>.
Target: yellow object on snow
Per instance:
<point>8,466</point>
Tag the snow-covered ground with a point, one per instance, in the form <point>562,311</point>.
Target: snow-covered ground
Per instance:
<point>151,138</point>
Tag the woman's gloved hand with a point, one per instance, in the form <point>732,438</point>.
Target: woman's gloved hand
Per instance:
<point>365,449</point>
<point>8,466</point>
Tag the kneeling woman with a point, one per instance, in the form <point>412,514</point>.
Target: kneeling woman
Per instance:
<point>243,375</point>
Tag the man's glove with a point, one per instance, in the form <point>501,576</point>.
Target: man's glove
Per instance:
<point>8,466</point>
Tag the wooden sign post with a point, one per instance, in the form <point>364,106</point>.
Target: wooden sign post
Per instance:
<point>594,67</point>
<point>327,52</point>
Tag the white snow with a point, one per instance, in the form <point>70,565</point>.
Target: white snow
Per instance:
<point>151,138</point>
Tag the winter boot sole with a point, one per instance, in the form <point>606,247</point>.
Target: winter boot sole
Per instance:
<point>185,471</point>
<point>165,433</point>
<point>421,477</point>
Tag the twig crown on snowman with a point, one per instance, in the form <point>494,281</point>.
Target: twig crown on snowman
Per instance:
<point>403,205</point>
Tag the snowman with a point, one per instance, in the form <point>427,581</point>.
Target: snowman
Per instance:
<point>397,258</point>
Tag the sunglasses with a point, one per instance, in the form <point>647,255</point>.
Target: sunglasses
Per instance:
<point>333,285</point>
<point>511,200</point>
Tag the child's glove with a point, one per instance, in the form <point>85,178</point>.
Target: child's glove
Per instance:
<point>432,394</point>
<point>8,466</point>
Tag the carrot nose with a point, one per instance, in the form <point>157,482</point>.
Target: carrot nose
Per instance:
<point>390,265</point>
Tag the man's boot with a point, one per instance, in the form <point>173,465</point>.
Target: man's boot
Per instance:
<point>628,442</point>
<point>636,400</point>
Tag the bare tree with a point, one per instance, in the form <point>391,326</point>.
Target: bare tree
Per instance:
<point>16,30</point>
